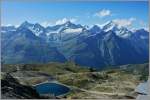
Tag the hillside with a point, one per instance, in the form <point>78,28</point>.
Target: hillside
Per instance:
<point>84,82</point>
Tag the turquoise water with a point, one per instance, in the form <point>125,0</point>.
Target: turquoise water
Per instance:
<point>51,88</point>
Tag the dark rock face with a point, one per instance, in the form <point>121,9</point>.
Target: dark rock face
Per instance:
<point>24,47</point>
<point>12,89</point>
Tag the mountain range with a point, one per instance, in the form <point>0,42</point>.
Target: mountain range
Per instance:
<point>96,46</point>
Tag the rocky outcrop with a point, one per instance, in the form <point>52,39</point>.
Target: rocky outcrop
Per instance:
<point>12,89</point>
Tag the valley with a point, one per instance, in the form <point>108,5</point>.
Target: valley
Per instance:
<point>112,82</point>
<point>74,50</point>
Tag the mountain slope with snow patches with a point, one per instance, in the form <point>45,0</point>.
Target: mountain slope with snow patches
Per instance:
<point>110,44</point>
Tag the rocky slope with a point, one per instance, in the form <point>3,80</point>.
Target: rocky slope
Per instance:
<point>12,89</point>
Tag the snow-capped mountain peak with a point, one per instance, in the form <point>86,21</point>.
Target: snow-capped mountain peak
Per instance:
<point>95,29</point>
<point>68,23</point>
<point>109,26</point>
<point>26,24</point>
<point>36,28</point>
<point>120,31</point>
<point>66,27</point>
<point>141,33</point>
<point>75,42</point>
<point>70,28</point>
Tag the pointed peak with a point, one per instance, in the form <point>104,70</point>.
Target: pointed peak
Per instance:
<point>111,25</point>
<point>95,26</point>
<point>68,23</point>
<point>108,25</point>
<point>26,24</point>
<point>108,22</point>
<point>104,24</point>
<point>95,29</point>
<point>38,25</point>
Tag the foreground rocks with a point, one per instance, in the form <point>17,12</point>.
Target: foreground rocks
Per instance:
<point>12,89</point>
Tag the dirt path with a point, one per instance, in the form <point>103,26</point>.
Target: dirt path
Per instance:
<point>96,92</point>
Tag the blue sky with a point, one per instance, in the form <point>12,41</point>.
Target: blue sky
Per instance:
<point>131,14</point>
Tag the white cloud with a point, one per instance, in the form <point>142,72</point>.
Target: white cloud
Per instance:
<point>147,29</point>
<point>143,24</point>
<point>103,13</point>
<point>124,22</point>
<point>46,23</point>
<point>16,26</point>
<point>9,25</point>
<point>64,20</point>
